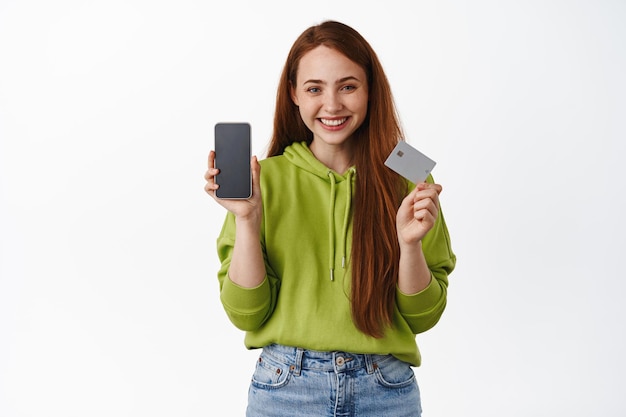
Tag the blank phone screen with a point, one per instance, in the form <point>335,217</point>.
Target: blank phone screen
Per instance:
<point>232,158</point>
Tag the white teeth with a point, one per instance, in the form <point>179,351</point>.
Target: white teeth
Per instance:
<point>336,122</point>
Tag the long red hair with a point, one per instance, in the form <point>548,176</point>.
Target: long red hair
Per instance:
<point>375,249</point>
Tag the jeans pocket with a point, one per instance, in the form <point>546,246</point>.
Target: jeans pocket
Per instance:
<point>394,373</point>
<point>270,374</point>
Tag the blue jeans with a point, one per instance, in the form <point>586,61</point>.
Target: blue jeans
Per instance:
<point>293,382</point>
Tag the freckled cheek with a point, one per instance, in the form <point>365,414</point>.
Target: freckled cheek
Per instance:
<point>360,104</point>
<point>308,115</point>
<point>309,111</point>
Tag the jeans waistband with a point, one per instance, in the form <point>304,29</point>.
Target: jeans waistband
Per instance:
<point>337,361</point>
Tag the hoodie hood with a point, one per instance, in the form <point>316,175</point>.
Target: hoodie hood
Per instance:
<point>300,155</point>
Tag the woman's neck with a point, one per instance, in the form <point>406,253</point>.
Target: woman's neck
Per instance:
<point>336,157</point>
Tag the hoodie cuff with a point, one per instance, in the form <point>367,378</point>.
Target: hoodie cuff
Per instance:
<point>422,301</point>
<point>245,300</point>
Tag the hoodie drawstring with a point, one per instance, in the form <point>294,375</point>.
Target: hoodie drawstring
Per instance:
<point>331,222</point>
<point>346,216</point>
<point>331,226</point>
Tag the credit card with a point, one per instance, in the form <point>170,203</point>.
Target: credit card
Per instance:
<point>409,162</point>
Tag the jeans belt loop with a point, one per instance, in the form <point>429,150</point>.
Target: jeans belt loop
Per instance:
<point>370,364</point>
<point>297,366</point>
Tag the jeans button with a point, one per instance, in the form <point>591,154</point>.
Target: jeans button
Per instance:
<point>340,361</point>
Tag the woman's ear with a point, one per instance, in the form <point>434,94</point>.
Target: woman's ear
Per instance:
<point>292,93</point>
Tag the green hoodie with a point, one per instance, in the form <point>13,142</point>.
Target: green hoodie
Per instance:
<point>306,236</point>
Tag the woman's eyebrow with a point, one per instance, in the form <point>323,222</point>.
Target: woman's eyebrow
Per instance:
<point>339,81</point>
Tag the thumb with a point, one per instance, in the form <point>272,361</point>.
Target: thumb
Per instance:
<point>255,167</point>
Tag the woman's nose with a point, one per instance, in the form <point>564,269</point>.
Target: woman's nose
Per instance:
<point>332,102</point>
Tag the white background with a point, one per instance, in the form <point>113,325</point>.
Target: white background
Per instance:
<point>109,300</point>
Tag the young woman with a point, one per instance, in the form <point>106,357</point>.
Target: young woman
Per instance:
<point>335,263</point>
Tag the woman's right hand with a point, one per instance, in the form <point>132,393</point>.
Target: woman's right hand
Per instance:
<point>250,209</point>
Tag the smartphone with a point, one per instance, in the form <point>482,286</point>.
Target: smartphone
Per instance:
<point>232,158</point>
<point>409,162</point>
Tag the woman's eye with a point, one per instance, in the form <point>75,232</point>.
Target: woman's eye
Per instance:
<point>348,88</point>
<point>313,90</point>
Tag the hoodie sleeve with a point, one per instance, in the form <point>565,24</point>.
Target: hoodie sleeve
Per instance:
<point>424,309</point>
<point>247,308</point>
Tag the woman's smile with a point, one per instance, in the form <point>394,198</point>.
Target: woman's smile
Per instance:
<point>334,123</point>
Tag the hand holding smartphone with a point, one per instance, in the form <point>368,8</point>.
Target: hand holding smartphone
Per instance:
<point>232,158</point>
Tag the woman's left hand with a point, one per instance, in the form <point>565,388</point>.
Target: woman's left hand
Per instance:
<point>417,213</point>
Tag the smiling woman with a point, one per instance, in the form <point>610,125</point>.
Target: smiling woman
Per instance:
<point>109,302</point>
<point>335,263</point>
<point>331,94</point>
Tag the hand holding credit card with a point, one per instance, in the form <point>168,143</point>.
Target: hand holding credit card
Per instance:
<point>409,162</point>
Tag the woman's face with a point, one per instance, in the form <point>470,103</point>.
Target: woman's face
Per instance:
<point>332,94</point>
